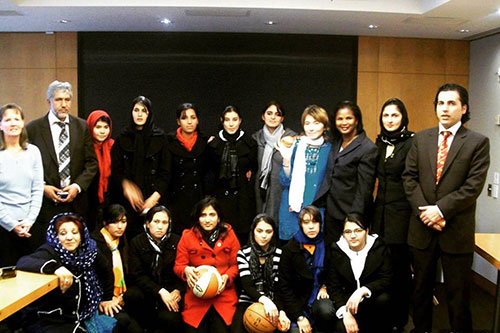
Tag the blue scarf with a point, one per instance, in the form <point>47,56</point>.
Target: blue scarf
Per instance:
<point>79,262</point>
<point>318,260</point>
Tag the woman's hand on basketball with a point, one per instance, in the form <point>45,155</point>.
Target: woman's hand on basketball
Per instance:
<point>350,324</point>
<point>191,276</point>
<point>171,299</point>
<point>284,322</point>
<point>304,325</point>
<point>225,278</point>
<point>271,310</point>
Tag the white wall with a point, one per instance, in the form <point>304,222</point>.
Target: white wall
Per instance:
<point>484,97</point>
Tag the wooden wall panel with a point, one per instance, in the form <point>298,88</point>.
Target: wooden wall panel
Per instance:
<point>27,50</point>
<point>404,55</point>
<point>409,69</point>
<point>29,62</point>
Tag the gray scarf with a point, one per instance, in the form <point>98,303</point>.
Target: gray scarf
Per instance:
<point>271,140</point>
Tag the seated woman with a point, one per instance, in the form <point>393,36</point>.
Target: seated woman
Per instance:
<point>258,265</point>
<point>112,243</point>
<point>301,286</point>
<point>73,256</point>
<point>209,242</point>
<point>156,290</point>
<point>359,275</point>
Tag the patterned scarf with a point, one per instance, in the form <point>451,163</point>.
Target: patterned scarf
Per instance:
<point>119,285</point>
<point>80,263</point>
<point>262,277</point>
<point>157,247</point>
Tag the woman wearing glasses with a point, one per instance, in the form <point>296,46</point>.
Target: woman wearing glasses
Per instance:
<point>358,277</point>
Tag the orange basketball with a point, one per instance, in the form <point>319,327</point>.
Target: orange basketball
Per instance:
<point>256,321</point>
<point>209,282</point>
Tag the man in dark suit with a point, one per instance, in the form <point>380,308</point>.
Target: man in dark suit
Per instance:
<point>68,156</point>
<point>445,172</point>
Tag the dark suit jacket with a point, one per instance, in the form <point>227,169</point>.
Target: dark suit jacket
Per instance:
<point>83,163</point>
<point>349,178</point>
<point>461,182</point>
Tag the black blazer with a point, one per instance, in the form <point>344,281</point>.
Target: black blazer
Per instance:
<point>392,210</point>
<point>377,274</point>
<point>295,280</point>
<point>350,177</point>
<point>141,258</point>
<point>461,182</point>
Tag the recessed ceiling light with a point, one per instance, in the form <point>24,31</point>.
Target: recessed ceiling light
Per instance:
<point>165,21</point>
<point>63,21</point>
<point>464,31</point>
<point>373,26</point>
<point>271,22</point>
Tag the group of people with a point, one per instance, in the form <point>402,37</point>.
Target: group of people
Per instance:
<point>322,251</point>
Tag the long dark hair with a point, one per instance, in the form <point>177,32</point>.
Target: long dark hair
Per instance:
<point>267,219</point>
<point>200,207</point>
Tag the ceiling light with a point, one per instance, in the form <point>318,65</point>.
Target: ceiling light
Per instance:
<point>271,22</point>
<point>373,26</point>
<point>63,21</point>
<point>464,31</point>
<point>165,21</point>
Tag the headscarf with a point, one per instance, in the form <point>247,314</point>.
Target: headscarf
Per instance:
<point>266,165</point>
<point>81,263</point>
<point>119,284</point>
<point>102,151</point>
<point>400,134</point>
<point>265,276</point>
<point>318,259</point>
<point>229,160</point>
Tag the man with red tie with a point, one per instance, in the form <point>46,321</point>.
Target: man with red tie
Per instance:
<point>445,172</point>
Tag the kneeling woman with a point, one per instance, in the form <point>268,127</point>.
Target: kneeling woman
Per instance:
<point>156,291</point>
<point>301,278</point>
<point>71,255</point>
<point>209,242</point>
<point>359,276</point>
<point>258,265</point>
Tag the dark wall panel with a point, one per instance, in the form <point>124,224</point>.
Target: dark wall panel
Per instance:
<point>213,70</point>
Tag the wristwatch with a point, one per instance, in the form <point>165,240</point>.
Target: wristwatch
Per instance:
<point>300,318</point>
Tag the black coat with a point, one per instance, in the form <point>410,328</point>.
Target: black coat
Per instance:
<point>155,166</point>
<point>238,203</point>
<point>187,170</point>
<point>57,308</point>
<point>392,209</point>
<point>377,274</point>
<point>104,249</point>
<point>295,282</point>
<point>141,260</point>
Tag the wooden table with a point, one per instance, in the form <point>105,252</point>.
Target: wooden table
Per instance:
<point>16,293</point>
<point>488,247</point>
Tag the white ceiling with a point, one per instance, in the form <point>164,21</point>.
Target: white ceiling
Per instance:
<point>396,18</point>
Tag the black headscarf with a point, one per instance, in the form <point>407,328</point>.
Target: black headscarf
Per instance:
<point>400,134</point>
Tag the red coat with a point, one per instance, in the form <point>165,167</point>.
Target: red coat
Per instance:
<point>192,250</point>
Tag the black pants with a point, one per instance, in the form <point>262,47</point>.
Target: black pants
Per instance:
<point>237,324</point>
<point>212,322</point>
<point>401,287</point>
<point>457,280</point>
<point>323,313</point>
<point>373,315</point>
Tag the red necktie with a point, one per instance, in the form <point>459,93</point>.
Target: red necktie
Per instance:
<point>442,154</point>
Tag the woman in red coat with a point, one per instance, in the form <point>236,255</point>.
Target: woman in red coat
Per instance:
<point>208,242</point>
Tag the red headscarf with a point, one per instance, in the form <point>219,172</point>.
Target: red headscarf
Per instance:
<point>103,152</point>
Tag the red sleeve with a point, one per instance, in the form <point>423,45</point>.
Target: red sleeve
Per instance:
<point>182,257</point>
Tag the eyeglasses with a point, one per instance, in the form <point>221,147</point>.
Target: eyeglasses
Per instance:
<point>357,232</point>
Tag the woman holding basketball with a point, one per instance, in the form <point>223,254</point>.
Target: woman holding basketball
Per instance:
<point>258,265</point>
<point>209,242</point>
<point>155,292</point>
<point>301,286</point>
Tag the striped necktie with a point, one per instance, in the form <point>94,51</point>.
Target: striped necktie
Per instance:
<point>442,154</point>
<point>63,154</point>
